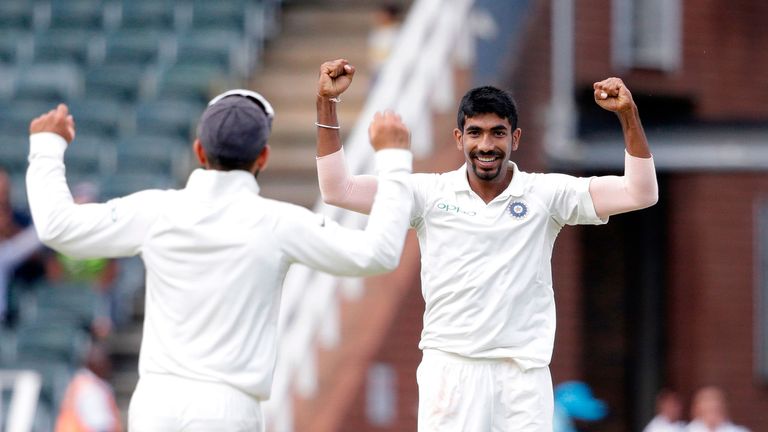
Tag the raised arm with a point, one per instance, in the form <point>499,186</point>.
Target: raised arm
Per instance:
<point>111,229</point>
<point>637,188</point>
<point>337,185</point>
<point>334,249</point>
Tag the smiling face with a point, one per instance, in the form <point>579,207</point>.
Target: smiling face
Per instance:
<point>487,142</point>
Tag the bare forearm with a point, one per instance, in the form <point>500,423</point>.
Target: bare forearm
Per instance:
<point>328,140</point>
<point>634,135</point>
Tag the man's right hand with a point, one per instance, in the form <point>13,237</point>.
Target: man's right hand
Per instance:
<point>57,121</point>
<point>387,130</point>
<point>335,78</point>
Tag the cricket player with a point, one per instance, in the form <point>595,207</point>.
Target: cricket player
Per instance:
<point>216,254</point>
<point>486,233</point>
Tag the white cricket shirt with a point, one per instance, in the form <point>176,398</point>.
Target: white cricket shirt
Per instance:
<point>216,254</point>
<point>485,268</point>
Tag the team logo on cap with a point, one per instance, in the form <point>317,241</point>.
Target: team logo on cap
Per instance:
<point>518,209</point>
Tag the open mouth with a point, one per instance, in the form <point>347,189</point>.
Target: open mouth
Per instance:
<point>487,161</point>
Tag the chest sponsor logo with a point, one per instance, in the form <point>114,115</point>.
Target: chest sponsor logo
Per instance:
<point>453,208</point>
<point>518,209</point>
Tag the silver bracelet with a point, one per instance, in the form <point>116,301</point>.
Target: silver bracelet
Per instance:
<point>336,99</point>
<point>327,126</point>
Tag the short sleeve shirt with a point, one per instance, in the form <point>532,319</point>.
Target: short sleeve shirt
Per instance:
<point>485,268</point>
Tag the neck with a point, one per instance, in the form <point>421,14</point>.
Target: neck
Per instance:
<point>487,190</point>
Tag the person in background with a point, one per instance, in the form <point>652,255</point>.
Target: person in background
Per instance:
<point>709,412</point>
<point>89,401</point>
<point>17,244</point>
<point>669,413</point>
<point>382,37</point>
<point>574,401</point>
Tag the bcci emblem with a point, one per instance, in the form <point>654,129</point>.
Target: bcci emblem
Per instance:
<point>518,210</point>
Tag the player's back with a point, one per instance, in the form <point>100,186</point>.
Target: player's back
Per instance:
<point>214,272</point>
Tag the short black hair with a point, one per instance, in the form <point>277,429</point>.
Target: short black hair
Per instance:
<point>487,100</point>
<point>222,163</point>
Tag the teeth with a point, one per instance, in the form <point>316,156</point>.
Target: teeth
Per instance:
<point>486,159</point>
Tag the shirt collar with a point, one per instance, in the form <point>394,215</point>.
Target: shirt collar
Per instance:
<point>515,188</point>
<point>219,183</point>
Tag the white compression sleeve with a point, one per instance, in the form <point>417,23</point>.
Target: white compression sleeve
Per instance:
<point>339,188</point>
<point>635,190</point>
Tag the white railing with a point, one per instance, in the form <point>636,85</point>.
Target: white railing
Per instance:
<point>416,82</point>
<point>25,386</point>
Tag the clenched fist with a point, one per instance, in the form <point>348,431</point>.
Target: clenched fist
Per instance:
<point>387,130</point>
<point>612,95</point>
<point>58,121</point>
<point>335,78</point>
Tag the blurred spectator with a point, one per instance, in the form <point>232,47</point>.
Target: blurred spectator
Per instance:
<point>382,37</point>
<point>98,274</point>
<point>16,244</point>
<point>669,413</point>
<point>574,401</point>
<point>89,401</point>
<point>709,412</point>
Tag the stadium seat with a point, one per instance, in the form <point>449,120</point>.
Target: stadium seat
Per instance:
<point>16,14</point>
<point>224,14</point>
<point>98,116</point>
<point>15,46</point>
<point>14,149</point>
<point>90,155</point>
<point>168,117</point>
<point>54,341</point>
<point>76,14</point>
<point>15,118</point>
<point>48,82</point>
<point>148,14</point>
<point>212,47</point>
<point>189,82</point>
<point>133,46</point>
<point>152,154</point>
<point>69,44</point>
<point>115,81</point>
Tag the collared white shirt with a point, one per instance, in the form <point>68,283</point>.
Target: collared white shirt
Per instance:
<point>485,268</point>
<point>698,426</point>
<point>216,254</point>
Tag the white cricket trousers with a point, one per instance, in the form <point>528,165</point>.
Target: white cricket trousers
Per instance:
<point>166,403</point>
<point>460,394</point>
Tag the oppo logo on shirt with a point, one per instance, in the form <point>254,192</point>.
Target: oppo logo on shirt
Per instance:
<point>452,208</point>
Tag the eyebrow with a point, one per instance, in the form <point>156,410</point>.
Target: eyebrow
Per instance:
<point>492,128</point>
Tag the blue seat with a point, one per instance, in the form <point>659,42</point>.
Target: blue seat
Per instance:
<point>168,117</point>
<point>217,47</point>
<point>90,156</point>
<point>98,116</point>
<point>133,46</point>
<point>115,81</point>
<point>148,14</point>
<point>191,82</point>
<point>69,45</point>
<point>48,82</point>
<point>17,14</point>
<point>77,14</point>
<point>15,44</point>
<point>152,154</point>
<point>15,118</point>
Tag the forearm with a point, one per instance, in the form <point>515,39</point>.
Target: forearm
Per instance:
<point>328,140</point>
<point>634,135</point>
<point>340,188</point>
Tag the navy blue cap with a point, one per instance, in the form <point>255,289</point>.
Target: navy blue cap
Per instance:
<point>236,125</point>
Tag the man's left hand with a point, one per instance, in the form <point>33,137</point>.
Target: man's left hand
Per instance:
<point>611,94</point>
<point>57,121</point>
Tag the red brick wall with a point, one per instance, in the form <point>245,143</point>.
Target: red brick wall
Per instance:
<point>712,274</point>
<point>723,61</point>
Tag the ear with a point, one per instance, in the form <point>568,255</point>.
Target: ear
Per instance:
<point>261,162</point>
<point>197,148</point>
<point>457,136</point>
<point>516,138</point>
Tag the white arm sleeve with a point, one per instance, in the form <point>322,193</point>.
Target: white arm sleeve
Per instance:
<point>341,189</point>
<point>635,190</point>
<point>112,229</point>
<point>334,249</point>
